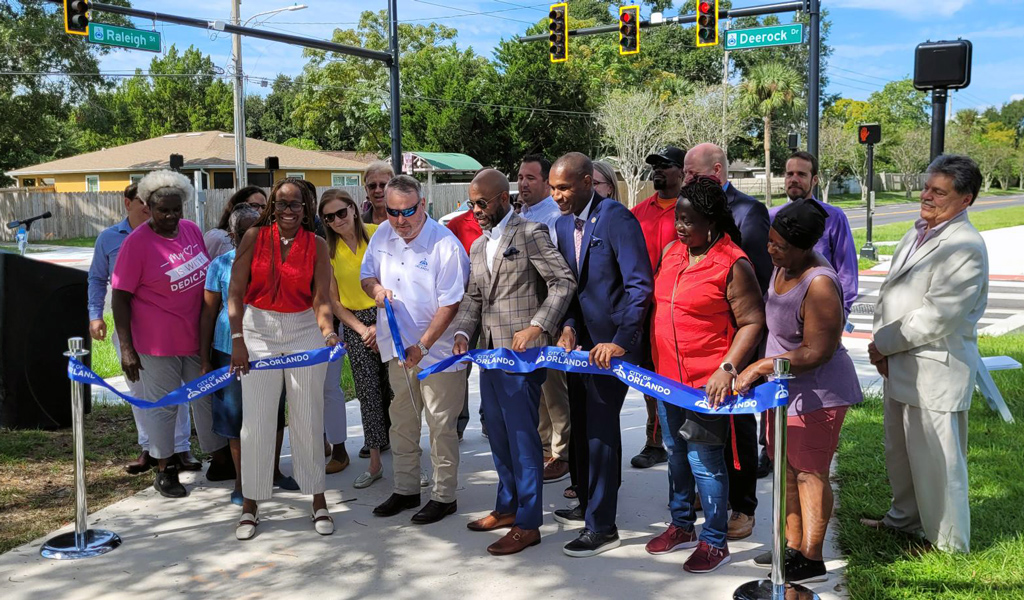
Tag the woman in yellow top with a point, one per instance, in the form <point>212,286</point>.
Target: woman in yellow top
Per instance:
<point>347,237</point>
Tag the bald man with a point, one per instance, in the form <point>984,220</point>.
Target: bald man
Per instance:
<point>751,217</point>
<point>604,245</point>
<point>519,291</point>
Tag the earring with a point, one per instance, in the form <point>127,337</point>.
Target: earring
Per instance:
<point>709,236</point>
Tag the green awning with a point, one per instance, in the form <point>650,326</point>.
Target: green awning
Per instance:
<point>449,161</point>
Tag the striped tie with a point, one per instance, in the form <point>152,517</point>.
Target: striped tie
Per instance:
<point>579,239</point>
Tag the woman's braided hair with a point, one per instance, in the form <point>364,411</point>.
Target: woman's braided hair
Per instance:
<point>708,199</point>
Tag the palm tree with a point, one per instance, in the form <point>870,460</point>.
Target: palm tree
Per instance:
<point>768,89</point>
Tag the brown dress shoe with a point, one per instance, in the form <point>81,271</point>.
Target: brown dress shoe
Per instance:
<point>740,526</point>
<point>493,521</point>
<point>878,524</point>
<point>555,469</point>
<point>187,462</point>
<point>515,541</point>
<point>142,464</point>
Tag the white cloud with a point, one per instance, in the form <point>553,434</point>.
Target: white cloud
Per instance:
<point>1016,97</point>
<point>913,9</point>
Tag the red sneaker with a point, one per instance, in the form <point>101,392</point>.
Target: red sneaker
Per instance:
<point>706,558</point>
<point>674,538</point>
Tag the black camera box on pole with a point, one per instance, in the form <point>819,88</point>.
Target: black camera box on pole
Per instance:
<point>41,306</point>
<point>942,65</point>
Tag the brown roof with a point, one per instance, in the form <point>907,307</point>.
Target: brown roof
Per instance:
<point>206,149</point>
<point>364,158</point>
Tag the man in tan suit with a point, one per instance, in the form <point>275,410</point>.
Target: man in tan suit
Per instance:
<point>520,288</point>
<point>926,346</point>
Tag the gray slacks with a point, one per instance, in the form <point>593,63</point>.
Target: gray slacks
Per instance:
<point>159,376</point>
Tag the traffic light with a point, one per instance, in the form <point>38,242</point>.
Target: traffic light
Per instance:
<point>707,23</point>
<point>559,34</point>
<point>76,17</point>
<point>629,29</point>
<point>869,133</point>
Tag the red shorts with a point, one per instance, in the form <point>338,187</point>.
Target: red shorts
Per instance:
<point>812,439</point>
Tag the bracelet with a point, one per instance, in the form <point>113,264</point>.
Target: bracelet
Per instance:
<point>236,336</point>
<point>330,335</point>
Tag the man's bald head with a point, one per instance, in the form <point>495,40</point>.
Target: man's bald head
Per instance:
<point>488,197</point>
<point>706,160</point>
<point>572,182</point>
<point>490,182</point>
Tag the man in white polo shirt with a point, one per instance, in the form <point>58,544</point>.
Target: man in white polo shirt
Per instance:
<point>422,269</point>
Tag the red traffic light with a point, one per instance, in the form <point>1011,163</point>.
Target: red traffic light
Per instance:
<point>705,7</point>
<point>626,17</point>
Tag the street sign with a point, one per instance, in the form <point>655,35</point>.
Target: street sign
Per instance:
<point>125,37</point>
<point>869,133</point>
<point>763,37</point>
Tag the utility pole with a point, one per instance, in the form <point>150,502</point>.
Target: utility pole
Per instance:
<point>396,109</point>
<point>241,170</point>
<point>813,76</point>
<point>725,92</point>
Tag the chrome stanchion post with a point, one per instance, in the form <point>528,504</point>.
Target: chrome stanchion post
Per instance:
<point>776,588</point>
<point>82,542</point>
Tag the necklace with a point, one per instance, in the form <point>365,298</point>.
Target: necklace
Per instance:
<point>286,241</point>
<point>696,258</point>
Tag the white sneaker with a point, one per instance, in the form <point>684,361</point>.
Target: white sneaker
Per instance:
<point>424,479</point>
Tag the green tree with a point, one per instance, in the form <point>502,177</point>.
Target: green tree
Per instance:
<point>270,118</point>
<point>34,126</point>
<point>770,89</point>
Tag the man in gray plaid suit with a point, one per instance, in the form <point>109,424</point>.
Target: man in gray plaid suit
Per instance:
<point>520,288</point>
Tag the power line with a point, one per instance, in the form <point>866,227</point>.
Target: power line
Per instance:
<point>469,12</point>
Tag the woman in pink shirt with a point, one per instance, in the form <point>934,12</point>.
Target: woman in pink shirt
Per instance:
<point>158,291</point>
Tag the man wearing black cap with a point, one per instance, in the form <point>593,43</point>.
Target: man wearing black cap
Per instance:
<point>657,216</point>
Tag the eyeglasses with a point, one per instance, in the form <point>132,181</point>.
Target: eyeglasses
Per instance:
<point>598,182</point>
<point>257,205</point>
<point>376,186</point>
<point>404,212</point>
<point>281,205</point>
<point>341,214</point>
<point>483,203</point>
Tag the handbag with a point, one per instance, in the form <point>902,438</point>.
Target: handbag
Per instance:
<point>698,428</point>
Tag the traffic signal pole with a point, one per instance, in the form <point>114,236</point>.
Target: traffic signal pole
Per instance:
<point>938,122</point>
<point>389,58</point>
<point>812,7</point>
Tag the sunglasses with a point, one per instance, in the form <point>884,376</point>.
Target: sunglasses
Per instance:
<point>341,215</point>
<point>483,203</point>
<point>376,186</point>
<point>404,212</point>
<point>281,205</point>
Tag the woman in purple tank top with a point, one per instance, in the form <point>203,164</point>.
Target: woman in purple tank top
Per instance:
<point>805,317</point>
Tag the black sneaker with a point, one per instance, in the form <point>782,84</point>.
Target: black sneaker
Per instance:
<point>591,544</point>
<point>765,560</point>
<point>571,516</point>
<point>649,456</point>
<point>804,570</point>
<point>764,466</point>
<point>167,483</point>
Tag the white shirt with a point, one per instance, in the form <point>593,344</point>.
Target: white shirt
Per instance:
<point>493,237</point>
<point>424,275</point>
<point>546,211</point>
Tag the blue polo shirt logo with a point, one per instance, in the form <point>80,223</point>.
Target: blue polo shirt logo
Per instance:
<point>423,265</point>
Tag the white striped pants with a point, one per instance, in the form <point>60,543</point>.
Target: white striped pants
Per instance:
<point>269,333</point>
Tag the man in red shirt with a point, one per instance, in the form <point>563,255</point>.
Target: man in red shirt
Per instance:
<point>657,216</point>
<point>466,229</point>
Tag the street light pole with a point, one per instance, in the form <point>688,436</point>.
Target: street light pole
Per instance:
<point>241,167</point>
<point>241,170</point>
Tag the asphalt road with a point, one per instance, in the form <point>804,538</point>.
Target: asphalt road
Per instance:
<point>895,213</point>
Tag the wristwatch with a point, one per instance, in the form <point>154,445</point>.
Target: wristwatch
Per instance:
<point>728,368</point>
<point>423,349</point>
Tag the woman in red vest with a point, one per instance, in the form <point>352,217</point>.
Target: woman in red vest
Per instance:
<point>708,318</point>
<point>282,279</point>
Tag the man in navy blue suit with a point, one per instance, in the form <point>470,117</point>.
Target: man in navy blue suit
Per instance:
<point>604,246</point>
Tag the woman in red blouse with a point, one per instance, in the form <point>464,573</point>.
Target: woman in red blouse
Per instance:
<point>282,279</point>
<point>708,317</point>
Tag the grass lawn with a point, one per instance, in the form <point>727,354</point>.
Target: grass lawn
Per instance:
<point>879,566</point>
<point>106,364</point>
<point>997,218</point>
<point>883,198</point>
<point>80,242</point>
<point>37,473</point>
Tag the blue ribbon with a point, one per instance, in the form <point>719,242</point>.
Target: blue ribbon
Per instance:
<point>396,335</point>
<point>212,381</point>
<point>758,399</point>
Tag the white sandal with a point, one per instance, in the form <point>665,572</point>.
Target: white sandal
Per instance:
<point>246,529</point>
<point>323,523</point>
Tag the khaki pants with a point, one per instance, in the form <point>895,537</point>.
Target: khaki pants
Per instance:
<point>439,398</point>
<point>926,457</point>
<point>554,416</point>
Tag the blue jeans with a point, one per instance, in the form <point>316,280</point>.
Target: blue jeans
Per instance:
<point>703,463</point>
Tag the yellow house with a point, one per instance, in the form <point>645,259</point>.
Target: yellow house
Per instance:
<point>208,159</point>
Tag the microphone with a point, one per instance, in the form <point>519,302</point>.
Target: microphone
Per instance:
<point>28,222</point>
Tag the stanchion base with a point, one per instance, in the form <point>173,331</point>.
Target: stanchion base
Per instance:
<point>63,547</point>
<point>764,590</point>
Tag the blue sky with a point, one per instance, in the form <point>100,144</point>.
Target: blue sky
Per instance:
<point>873,40</point>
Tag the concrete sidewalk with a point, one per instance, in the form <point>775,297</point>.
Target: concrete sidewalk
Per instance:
<point>187,547</point>
<point>1004,258</point>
